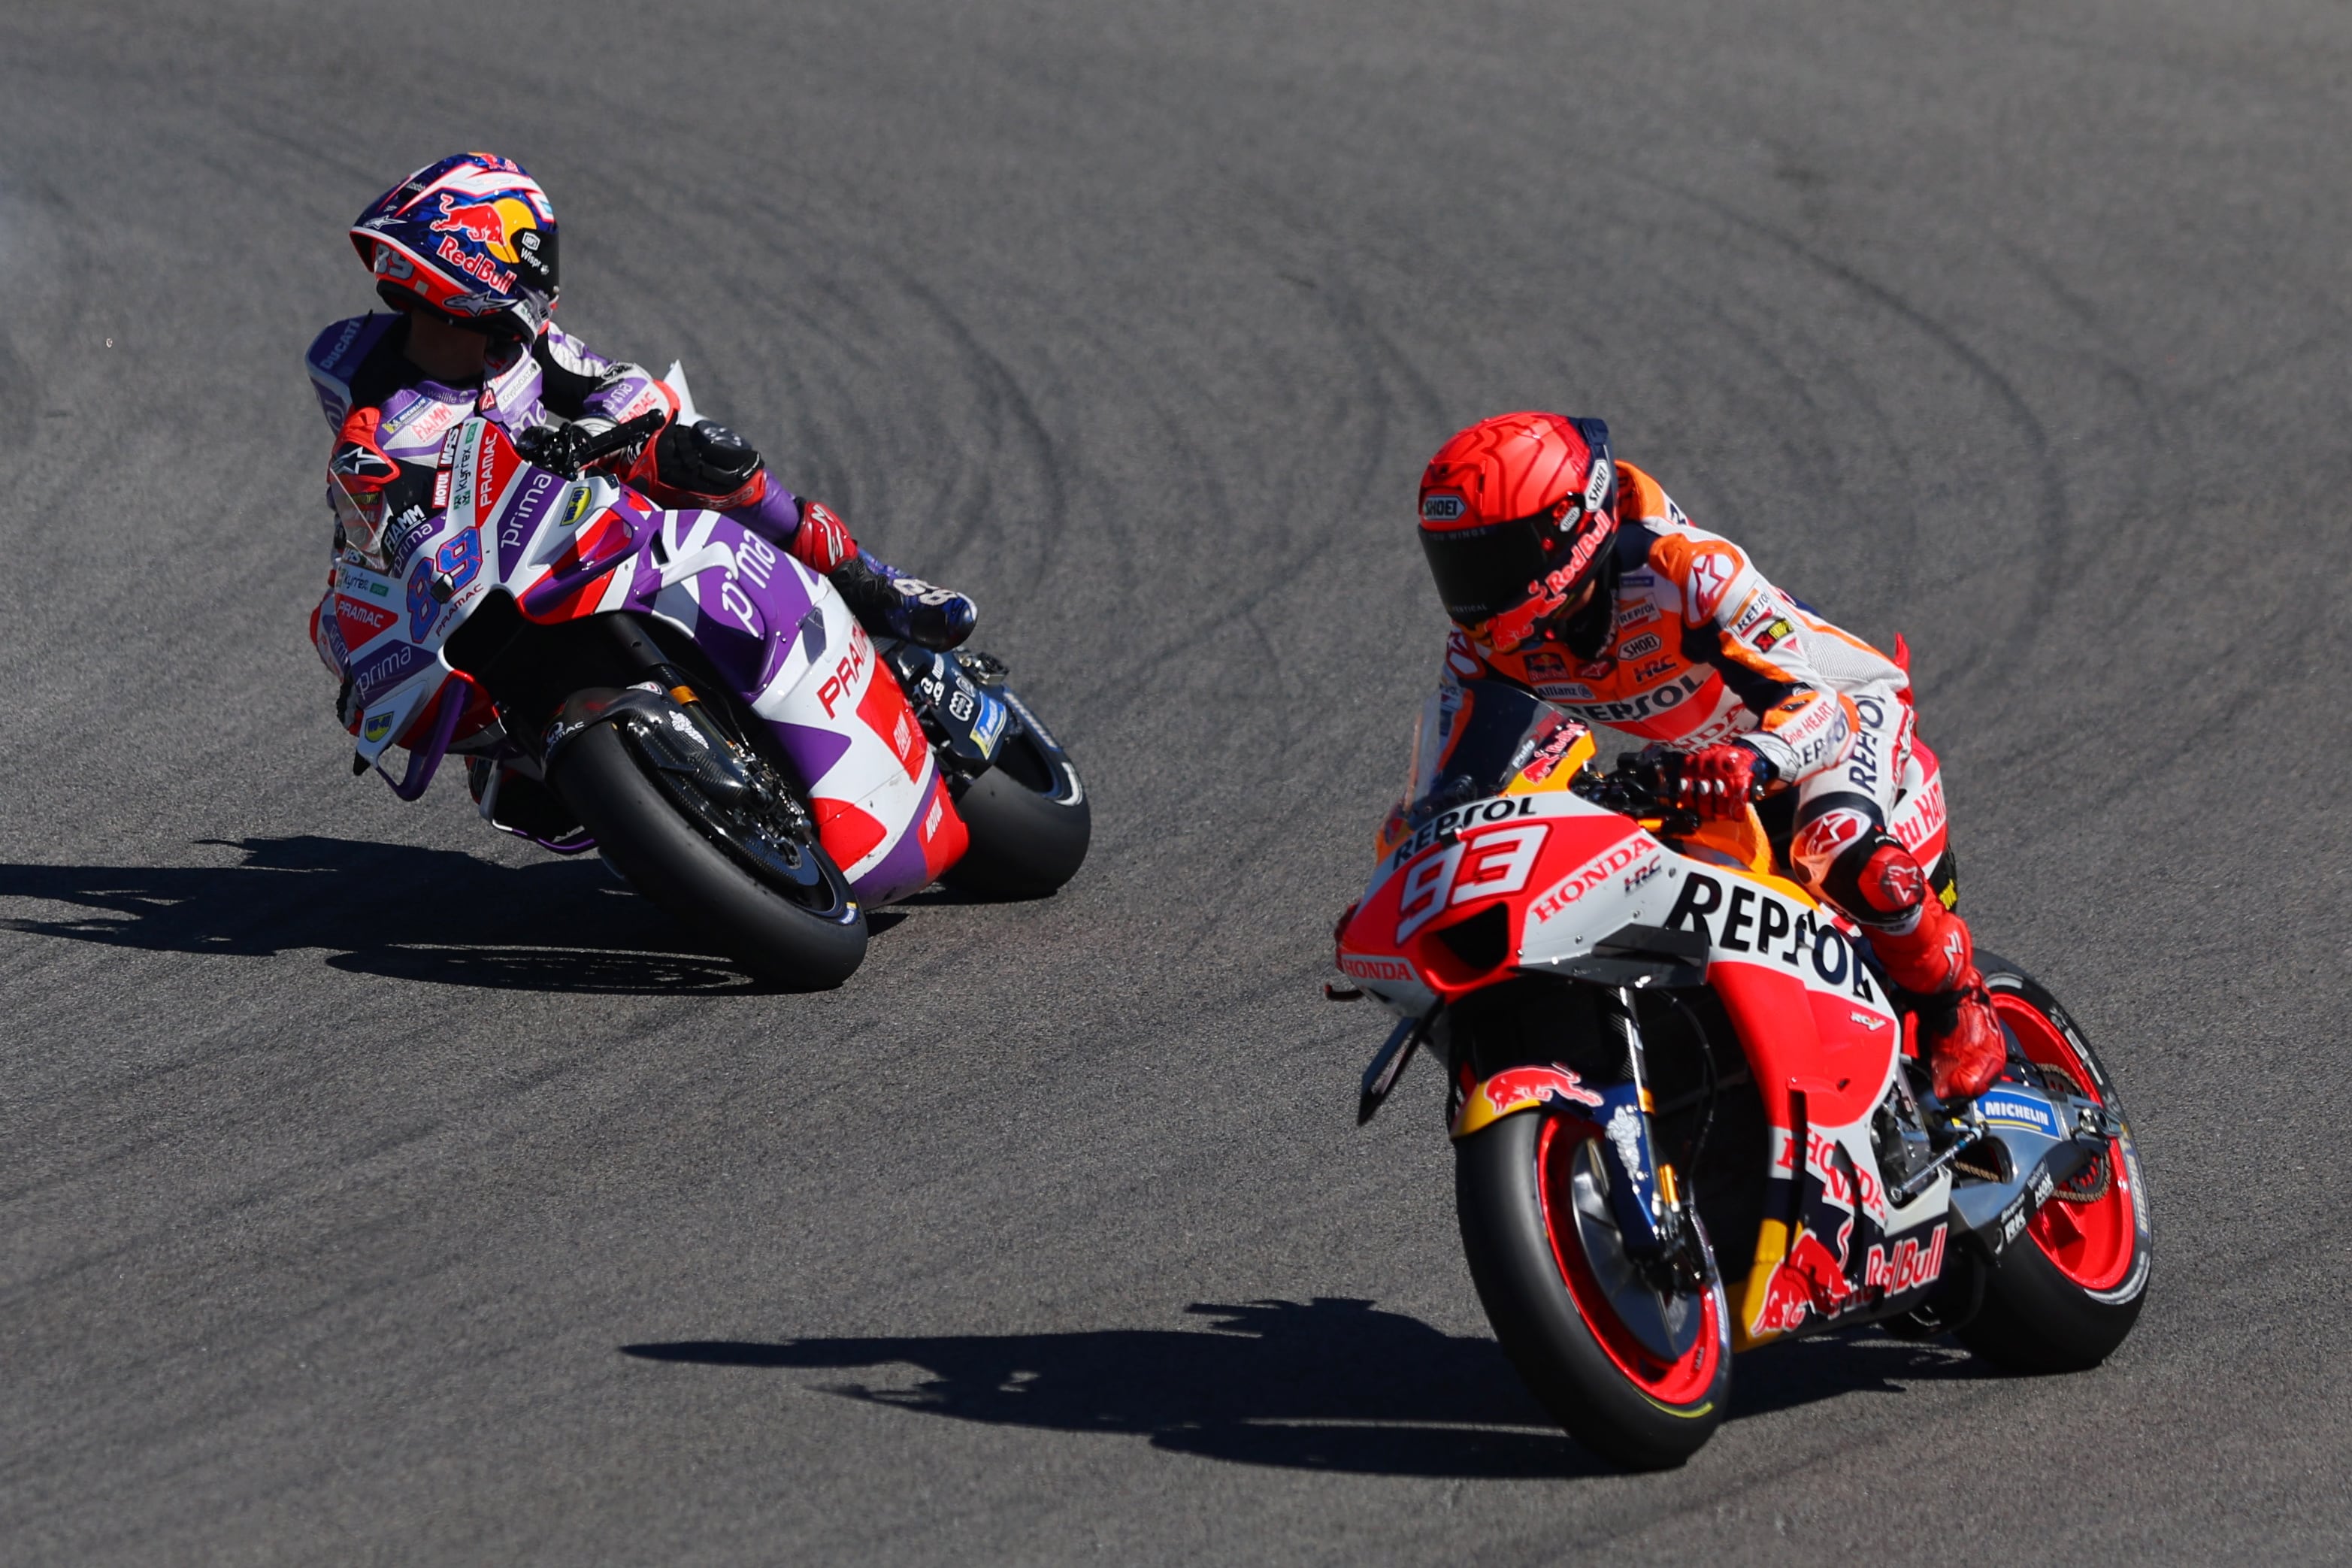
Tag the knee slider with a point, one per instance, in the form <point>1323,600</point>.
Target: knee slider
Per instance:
<point>1877,880</point>
<point>822,541</point>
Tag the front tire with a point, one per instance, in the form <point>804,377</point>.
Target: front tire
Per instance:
<point>1546,1272</point>
<point>2063,1295</point>
<point>803,935</point>
<point>1029,823</point>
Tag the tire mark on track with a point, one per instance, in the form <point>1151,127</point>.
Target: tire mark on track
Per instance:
<point>1988,659</point>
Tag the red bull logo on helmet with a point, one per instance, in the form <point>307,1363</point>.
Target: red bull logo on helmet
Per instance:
<point>475,267</point>
<point>499,229</point>
<point>494,225</point>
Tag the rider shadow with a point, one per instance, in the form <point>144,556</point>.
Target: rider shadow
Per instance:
<point>389,910</point>
<point>1332,1385</point>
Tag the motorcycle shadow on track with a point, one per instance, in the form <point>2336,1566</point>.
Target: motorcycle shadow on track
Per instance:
<point>387,909</point>
<point>1331,1385</point>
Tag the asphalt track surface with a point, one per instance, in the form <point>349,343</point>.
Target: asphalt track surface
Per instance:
<point>375,1189</point>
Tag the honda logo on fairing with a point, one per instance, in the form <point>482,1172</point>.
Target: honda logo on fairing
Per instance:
<point>1592,874</point>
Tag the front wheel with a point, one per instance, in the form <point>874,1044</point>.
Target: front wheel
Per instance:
<point>1029,821</point>
<point>712,860</point>
<point>1637,1373</point>
<point>2062,1295</point>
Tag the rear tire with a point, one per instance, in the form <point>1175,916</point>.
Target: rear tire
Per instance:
<point>666,857</point>
<point>1029,823</point>
<point>1513,1195</point>
<point>2064,1294</point>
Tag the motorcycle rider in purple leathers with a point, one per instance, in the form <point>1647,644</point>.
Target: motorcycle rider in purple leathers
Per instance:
<point>464,251</point>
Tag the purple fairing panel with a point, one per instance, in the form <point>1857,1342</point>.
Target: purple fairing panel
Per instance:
<point>903,870</point>
<point>736,593</point>
<point>812,750</point>
<point>788,644</point>
<point>519,518</point>
<point>744,602</point>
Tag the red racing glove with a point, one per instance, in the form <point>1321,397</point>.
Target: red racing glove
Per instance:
<point>1719,781</point>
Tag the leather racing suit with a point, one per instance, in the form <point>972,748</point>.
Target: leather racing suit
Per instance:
<point>1695,646</point>
<point>1686,644</point>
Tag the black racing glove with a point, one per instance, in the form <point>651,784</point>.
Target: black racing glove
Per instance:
<point>558,448</point>
<point>707,461</point>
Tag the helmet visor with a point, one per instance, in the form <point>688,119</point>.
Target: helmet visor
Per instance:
<point>1483,572</point>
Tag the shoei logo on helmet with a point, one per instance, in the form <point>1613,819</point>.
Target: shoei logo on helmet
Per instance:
<point>1596,485</point>
<point>1443,508</point>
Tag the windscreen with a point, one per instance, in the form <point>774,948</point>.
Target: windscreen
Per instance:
<point>1473,739</point>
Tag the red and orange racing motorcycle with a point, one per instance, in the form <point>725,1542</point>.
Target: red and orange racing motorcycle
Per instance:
<point>1688,1111</point>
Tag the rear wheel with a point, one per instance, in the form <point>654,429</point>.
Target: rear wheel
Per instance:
<point>1029,822</point>
<point>2063,1295</point>
<point>736,870</point>
<point>1637,1373</point>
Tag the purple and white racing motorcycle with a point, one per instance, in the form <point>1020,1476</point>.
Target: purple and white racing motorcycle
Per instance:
<point>671,690</point>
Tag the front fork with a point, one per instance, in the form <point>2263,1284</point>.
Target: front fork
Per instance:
<point>1644,1193</point>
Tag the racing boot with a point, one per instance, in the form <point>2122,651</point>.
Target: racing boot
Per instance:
<point>1928,950</point>
<point>1937,959</point>
<point>891,604</point>
<point>886,602</point>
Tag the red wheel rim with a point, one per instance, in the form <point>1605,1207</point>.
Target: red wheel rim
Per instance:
<point>2092,1243</point>
<point>1679,1381</point>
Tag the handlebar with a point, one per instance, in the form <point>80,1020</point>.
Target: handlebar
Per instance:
<point>1648,783</point>
<point>563,449</point>
<point>620,437</point>
<point>1642,784</point>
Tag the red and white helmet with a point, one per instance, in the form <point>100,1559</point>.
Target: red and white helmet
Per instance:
<point>470,238</point>
<point>1516,513</point>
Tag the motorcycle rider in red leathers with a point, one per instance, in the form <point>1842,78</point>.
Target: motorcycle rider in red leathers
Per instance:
<point>464,251</point>
<point>1572,575</point>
